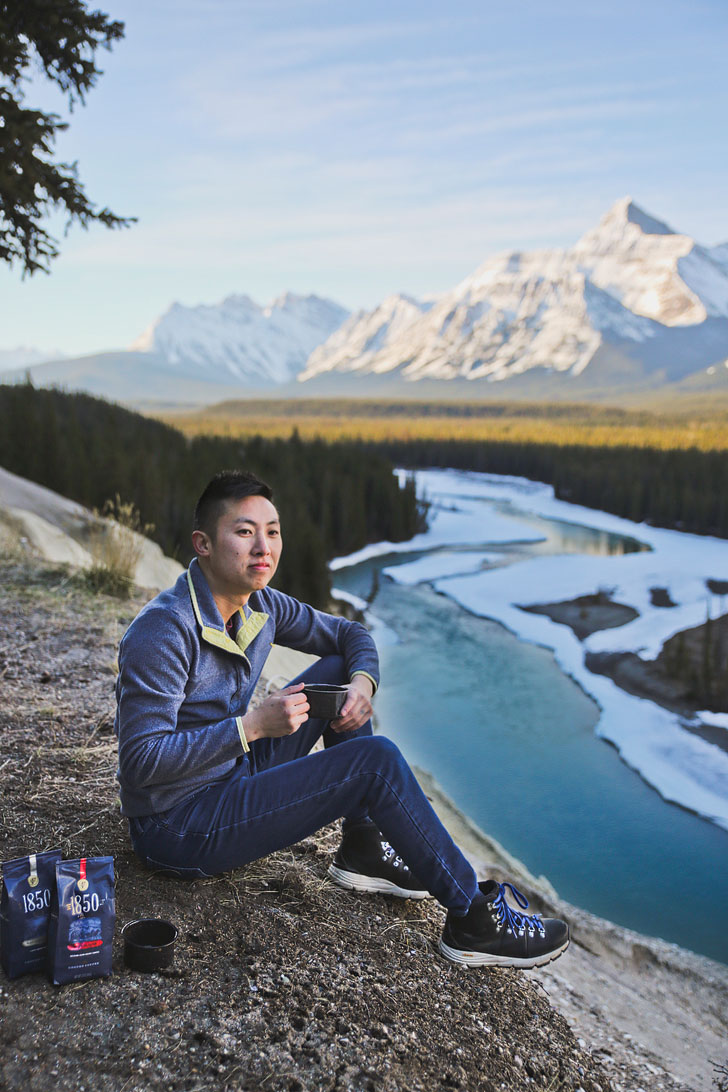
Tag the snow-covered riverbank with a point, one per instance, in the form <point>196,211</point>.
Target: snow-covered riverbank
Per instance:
<point>467,556</point>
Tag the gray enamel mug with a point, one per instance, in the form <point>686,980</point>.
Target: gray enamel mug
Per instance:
<point>325,699</point>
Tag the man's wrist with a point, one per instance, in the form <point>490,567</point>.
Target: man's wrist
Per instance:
<point>364,682</point>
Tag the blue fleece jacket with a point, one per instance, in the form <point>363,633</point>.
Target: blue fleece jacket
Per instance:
<point>184,683</point>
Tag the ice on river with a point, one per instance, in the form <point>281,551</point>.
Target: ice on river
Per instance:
<point>683,767</point>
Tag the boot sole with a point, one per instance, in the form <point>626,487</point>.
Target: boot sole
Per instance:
<point>485,959</point>
<point>372,885</point>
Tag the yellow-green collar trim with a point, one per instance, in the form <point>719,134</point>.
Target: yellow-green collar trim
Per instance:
<point>249,630</point>
<point>251,627</point>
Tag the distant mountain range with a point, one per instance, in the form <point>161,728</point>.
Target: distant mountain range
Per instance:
<point>633,302</point>
<point>633,305</point>
<point>23,357</point>
<point>238,340</point>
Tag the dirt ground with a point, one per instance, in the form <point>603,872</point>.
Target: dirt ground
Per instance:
<point>282,981</point>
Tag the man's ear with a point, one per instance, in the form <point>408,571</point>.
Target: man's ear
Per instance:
<point>201,543</point>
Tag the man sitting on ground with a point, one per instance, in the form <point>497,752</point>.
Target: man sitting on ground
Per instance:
<point>209,784</point>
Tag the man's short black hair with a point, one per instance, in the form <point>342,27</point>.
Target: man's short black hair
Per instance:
<point>228,485</point>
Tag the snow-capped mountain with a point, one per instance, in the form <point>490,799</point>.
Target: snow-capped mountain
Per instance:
<point>237,340</point>
<point>359,341</point>
<point>631,285</point>
<point>633,304</point>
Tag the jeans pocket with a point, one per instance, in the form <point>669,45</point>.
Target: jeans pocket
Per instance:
<point>139,825</point>
<point>149,832</point>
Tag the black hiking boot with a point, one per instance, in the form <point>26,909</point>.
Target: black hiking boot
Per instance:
<point>493,934</point>
<point>366,862</point>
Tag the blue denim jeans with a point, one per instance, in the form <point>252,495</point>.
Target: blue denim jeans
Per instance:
<point>279,794</point>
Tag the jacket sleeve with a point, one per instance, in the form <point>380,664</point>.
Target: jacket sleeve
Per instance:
<point>299,626</point>
<point>155,658</point>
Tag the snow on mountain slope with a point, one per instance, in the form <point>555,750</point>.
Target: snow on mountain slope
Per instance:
<point>484,325</point>
<point>627,282</point>
<point>359,340</point>
<point>651,269</point>
<point>237,339</point>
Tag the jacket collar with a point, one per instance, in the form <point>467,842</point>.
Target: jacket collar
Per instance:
<point>209,619</point>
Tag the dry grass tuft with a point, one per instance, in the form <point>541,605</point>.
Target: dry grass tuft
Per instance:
<point>117,547</point>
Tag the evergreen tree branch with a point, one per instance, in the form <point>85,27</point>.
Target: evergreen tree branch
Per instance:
<point>61,38</point>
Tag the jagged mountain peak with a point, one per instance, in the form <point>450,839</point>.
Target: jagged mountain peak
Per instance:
<point>287,301</point>
<point>509,266</point>
<point>238,339</point>
<point>310,308</point>
<point>237,301</point>
<point>627,282</point>
<point>652,270</point>
<point>358,340</point>
<point>400,301</point>
<point>626,211</point>
<point>626,227</point>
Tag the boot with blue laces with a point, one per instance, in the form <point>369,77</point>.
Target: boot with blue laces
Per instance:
<point>366,862</point>
<point>493,934</point>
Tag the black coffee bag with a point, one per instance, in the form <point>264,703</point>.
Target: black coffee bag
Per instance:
<point>82,918</point>
<point>25,910</point>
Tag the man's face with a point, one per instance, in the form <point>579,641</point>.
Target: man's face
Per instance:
<point>243,554</point>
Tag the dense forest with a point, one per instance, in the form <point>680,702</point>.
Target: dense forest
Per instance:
<point>670,469</point>
<point>334,497</point>
<point>682,489</point>
<point>331,501</point>
<point>684,425</point>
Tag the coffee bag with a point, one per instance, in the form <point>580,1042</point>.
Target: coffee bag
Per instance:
<point>83,912</point>
<point>25,911</point>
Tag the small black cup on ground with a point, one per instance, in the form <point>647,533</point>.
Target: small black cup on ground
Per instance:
<point>326,699</point>
<point>149,944</point>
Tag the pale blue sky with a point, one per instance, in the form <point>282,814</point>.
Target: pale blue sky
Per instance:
<point>358,149</point>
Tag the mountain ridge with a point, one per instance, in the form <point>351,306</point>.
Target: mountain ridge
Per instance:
<point>623,284</point>
<point>632,307</point>
<point>238,340</point>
